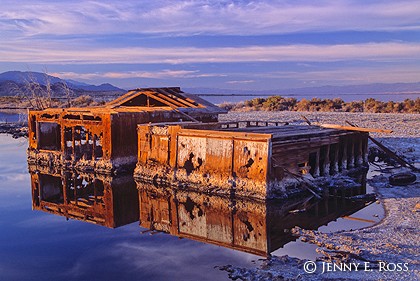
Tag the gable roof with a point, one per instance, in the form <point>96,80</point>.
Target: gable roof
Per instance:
<point>151,99</point>
<point>158,97</point>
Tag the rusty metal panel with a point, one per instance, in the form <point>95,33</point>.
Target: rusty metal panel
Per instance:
<point>160,151</point>
<point>219,156</point>
<point>143,144</point>
<point>191,153</point>
<point>251,159</point>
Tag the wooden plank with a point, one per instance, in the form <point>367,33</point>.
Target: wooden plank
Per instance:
<point>224,134</point>
<point>350,128</point>
<point>279,137</point>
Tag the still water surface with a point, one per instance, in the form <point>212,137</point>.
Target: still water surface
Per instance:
<point>38,245</point>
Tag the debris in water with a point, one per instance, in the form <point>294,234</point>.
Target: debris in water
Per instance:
<point>404,178</point>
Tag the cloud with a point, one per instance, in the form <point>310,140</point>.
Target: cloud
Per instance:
<point>163,74</point>
<point>240,81</point>
<point>206,17</point>
<point>53,54</point>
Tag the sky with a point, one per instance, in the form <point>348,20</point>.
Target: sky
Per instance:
<point>214,44</point>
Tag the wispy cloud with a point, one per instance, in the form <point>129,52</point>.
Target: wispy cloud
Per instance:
<point>166,73</point>
<point>71,35</point>
<point>206,17</point>
<point>240,81</point>
<point>47,53</point>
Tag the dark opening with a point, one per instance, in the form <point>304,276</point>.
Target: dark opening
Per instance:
<point>49,136</point>
<point>51,189</point>
<point>90,117</point>
<point>143,100</point>
<point>71,116</point>
<point>312,162</point>
<point>49,116</point>
<point>333,158</point>
<point>68,142</point>
<point>98,146</point>
<point>84,192</point>
<point>33,127</point>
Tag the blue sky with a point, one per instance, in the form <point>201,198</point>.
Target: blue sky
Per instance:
<point>218,44</point>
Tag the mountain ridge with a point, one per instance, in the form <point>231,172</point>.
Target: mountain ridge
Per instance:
<point>20,78</point>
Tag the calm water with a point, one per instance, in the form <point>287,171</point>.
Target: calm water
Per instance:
<point>12,117</point>
<point>39,245</point>
<point>345,97</point>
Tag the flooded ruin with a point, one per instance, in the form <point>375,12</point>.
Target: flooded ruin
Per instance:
<point>103,222</point>
<point>153,174</point>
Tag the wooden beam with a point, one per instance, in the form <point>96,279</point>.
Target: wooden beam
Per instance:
<point>350,128</point>
<point>306,120</point>
<point>358,219</point>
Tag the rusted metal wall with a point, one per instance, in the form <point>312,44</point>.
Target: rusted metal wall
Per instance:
<point>210,159</point>
<point>235,159</point>
<point>83,138</point>
<point>100,140</point>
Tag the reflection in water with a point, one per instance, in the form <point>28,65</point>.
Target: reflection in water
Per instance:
<point>107,201</point>
<point>257,227</point>
<point>252,226</point>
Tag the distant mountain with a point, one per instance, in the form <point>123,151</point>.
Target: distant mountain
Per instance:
<point>24,77</point>
<point>10,81</point>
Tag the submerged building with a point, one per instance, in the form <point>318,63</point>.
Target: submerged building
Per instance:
<point>250,159</point>
<point>169,137</point>
<point>104,138</point>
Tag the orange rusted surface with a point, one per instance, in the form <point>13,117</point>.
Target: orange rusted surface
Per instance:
<point>103,200</point>
<point>205,158</point>
<point>104,139</point>
<point>245,158</point>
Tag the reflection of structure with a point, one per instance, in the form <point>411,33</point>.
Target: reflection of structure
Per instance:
<point>107,201</point>
<point>104,139</point>
<point>251,158</point>
<point>253,226</point>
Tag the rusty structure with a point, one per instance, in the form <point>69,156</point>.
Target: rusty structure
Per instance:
<point>253,226</point>
<point>104,139</point>
<point>169,137</point>
<point>250,159</point>
<point>103,200</point>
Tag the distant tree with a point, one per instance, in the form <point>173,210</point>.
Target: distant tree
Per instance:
<point>303,105</point>
<point>354,106</point>
<point>278,103</point>
<point>39,94</point>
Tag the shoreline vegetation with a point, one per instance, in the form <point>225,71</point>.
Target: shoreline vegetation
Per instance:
<point>19,104</point>
<point>278,103</point>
